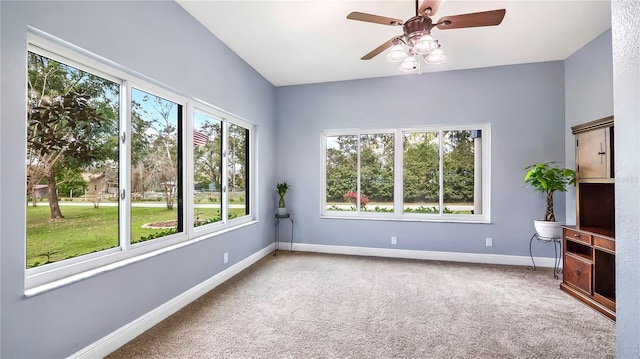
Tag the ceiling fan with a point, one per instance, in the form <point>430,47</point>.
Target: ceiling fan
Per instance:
<point>417,33</point>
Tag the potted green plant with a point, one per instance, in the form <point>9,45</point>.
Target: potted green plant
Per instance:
<point>548,178</point>
<point>282,190</point>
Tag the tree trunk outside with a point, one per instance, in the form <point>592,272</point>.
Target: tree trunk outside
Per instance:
<point>97,197</point>
<point>168,195</point>
<point>33,196</point>
<point>549,215</point>
<point>53,194</point>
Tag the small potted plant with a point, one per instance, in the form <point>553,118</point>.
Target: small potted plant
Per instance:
<point>546,177</point>
<point>282,190</point>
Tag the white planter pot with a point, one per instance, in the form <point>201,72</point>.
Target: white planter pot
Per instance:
<point>282,211</point>
<point>548,229</point>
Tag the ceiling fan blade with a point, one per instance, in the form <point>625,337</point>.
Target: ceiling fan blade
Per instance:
<point>476,19</point>
<point>379,49</point>
<point>430,7</point>
<point>360,16</point>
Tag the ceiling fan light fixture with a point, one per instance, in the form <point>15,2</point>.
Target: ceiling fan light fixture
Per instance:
<point>425,45</point>
<point>397,53</point>
<point>410,64</point>
<point>435,57</point>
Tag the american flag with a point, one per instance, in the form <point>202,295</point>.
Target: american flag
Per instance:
<point>199,139</point>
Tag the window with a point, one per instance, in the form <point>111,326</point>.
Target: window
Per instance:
<point>221,150</point>
<point>156,176</point>
<point>108,170</point>
<point>207,154</point>
<point>72,153</point>
<point>237,172</point>
<point>359,172</point>
<point>342,173</point>
<point>441,175</point>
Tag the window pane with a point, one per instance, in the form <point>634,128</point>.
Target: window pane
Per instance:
<point>458,172</point>
<point>207,154</point>
<point>72,162</point>
<point>376,172</point>
<point>421,179</point>
<point>238,171</point>
<point>156,210</point>
<point>342,173</point>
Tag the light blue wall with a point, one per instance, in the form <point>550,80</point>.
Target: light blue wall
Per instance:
<point>523,103</point>
<point>160,40</point>
<point>588,92</point>
<point>626,99</point>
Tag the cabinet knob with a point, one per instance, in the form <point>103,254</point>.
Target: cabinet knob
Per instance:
<point>576,235</point>
<point>576,271</point>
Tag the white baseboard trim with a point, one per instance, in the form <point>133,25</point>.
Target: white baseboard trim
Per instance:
<point>428,255</point>
<point>126,333</point>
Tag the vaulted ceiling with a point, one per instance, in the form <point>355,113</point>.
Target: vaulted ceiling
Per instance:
<point>300,42</point>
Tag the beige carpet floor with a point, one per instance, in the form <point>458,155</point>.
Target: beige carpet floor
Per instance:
<point>306,305</point>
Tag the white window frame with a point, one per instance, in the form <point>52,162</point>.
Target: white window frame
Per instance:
<point>225,119</point>
<point>357,213</point>
<point>159,91</point>
<point>46,277</point>
<point>398,205</point>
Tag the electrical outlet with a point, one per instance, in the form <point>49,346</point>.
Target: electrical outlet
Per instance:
<point>489,242</point>
<point>394,240</point>
<point>226,257</point>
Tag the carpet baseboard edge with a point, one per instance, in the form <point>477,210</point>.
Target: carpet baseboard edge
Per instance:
<point>128,332</point>
<point>427,255</point>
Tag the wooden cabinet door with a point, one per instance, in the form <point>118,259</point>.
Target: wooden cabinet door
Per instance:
<point>592,154</point>
<point>577,272</point>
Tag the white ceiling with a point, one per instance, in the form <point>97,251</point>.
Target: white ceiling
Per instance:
<point>300,42</point>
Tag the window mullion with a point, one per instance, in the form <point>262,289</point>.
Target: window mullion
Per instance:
<point>323,173</point>
<point>486,171</point>
<point>250,197</point>
<point>358,184</point>
<point>398,174</point>
<point>477,175</point>
<point>225,173</point>
<point>188,189</point>
<point>124,165</point>
<point>441,170</point>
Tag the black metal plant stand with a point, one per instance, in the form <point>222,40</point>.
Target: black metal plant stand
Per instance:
<point>557,243</point>
<point>280,217</point>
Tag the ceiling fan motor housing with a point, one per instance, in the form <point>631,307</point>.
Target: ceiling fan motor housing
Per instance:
<point>416,27</point>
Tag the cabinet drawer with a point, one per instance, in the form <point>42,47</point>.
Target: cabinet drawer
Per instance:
<point>604,243</point>
<point>577,272</point>
<point>577,236</point>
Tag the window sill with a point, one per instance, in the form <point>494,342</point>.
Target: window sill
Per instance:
<point>410,219</point>
<point>46,287</point>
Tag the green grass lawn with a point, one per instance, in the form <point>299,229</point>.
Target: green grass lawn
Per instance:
<point>86,229</point>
